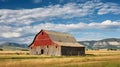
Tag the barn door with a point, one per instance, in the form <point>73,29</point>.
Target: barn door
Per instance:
<point>42,51</point>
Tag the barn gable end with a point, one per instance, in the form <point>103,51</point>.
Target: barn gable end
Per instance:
<point>41,39</point>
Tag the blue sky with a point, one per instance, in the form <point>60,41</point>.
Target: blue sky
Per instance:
<point>21,20</point>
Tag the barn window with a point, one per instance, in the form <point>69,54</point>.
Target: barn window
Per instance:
<point>42,33</point>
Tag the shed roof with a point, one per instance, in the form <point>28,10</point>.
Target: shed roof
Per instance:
<point>69,44</point>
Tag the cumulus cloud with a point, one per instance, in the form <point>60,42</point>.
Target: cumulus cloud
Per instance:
<point>109,8</point>
<point>89,36</point>
<point>27,16</point>
<point>27,33</point>
<point>10,34</point>
<point>15,25</point>
<point>108,24</point>
<point>70,10</point>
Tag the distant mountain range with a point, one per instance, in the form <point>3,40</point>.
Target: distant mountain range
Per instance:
<point>102,44</point>
<point>13,46</point>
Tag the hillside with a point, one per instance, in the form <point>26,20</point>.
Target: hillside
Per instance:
<point>13,46</point>
<point>102,44</point>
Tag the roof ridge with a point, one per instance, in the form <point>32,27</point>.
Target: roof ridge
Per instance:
<point>56,32</point>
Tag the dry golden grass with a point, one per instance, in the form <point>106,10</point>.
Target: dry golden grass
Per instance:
<point>54,62</point>
<point>101,58</point>
<point>13,52</point>
<point>103,52</point>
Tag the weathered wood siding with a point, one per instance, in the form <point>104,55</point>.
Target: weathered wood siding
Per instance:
<point>65,50</point>
<point>47,50</point>
<point>57,50</point>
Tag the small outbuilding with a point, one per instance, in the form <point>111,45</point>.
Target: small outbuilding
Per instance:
<point>55,43</point>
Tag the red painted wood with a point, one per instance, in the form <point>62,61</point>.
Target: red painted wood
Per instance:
<point>42,39</point>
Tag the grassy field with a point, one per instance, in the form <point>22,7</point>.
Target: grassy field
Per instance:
<point>92,59</point>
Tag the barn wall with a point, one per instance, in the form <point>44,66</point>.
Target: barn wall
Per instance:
<point>65,50</point>
<point>32,51</point>
<point>47,50</point>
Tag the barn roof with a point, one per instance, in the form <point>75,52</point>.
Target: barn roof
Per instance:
<point>63,39</point>
<point>60,38</point>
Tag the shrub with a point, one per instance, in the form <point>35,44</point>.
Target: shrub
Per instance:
<point>112,49</point>
<point>1,49</point>
<point>24,50</point>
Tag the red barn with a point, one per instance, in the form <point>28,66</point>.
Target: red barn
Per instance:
<point>55,43</point>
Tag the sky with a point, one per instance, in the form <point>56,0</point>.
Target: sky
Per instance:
<point>21,20</point>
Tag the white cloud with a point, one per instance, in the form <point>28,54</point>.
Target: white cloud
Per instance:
<point>105,25</point>
<point>26,34</point>
<point>108,24</point>
<point>16,23</point>
<point>25,40</point>
<point>27,16</point>
<point>109,8</point>
<point>10,34</point>
<point>70,10</point>
<point>89,36</point>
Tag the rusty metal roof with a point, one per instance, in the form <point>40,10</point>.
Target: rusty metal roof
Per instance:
<point>63,39</point>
